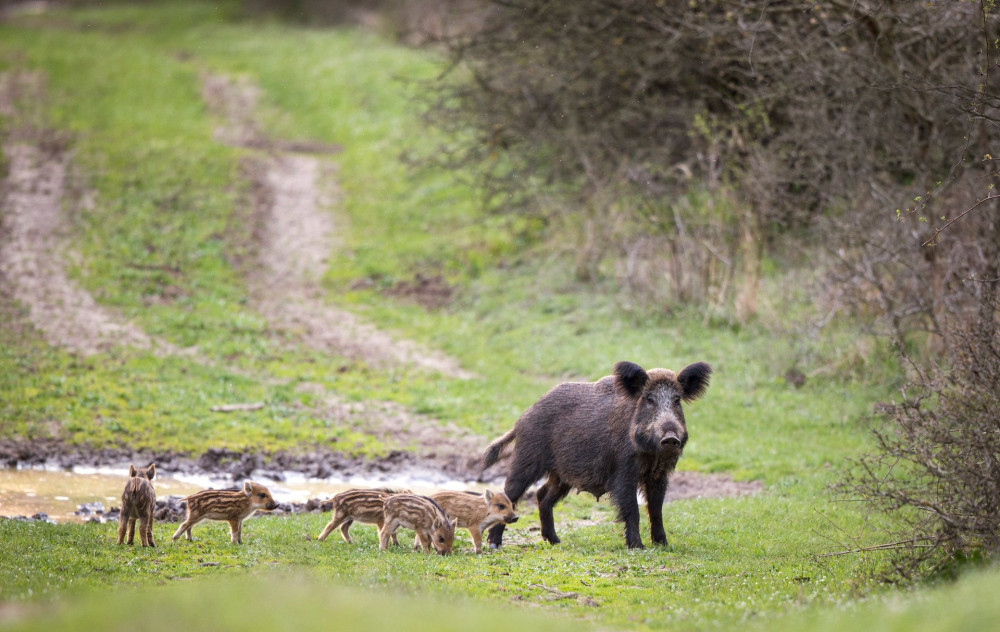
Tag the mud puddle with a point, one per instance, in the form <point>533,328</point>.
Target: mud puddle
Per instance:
<point>59,493</point>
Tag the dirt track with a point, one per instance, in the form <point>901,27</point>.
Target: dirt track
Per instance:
<point>294,206</point>
<point>34,243</point>
<point>295,199</point>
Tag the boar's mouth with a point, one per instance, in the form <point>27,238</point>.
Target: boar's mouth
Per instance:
<point>271,506</point>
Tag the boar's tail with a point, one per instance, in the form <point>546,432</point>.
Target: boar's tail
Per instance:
<point>493,452</point>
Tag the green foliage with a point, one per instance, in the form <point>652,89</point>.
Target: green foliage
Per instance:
<point>159,245</point>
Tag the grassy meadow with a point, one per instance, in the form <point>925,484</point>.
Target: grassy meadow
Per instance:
<point>163,244</point>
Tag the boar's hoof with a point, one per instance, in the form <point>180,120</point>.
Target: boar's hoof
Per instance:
<point>494,547</point>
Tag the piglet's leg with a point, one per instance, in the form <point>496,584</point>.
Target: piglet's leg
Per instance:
<point>122,527</point>
<point>387,531</point>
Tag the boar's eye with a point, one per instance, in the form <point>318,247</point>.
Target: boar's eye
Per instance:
<point>677,400</point>
<point>441,539</point>
<point>650,400</point>
<point>501,506</point>
<point>261,495</point>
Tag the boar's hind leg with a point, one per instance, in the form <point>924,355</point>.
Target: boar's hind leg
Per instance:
<point>236,531</point>
<point>131,531</point>
<point>655,492</point>
<point>549,494</point>
<point>524,471</point>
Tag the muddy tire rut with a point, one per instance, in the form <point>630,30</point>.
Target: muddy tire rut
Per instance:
<point>33,243</point>
<point>296,194</point>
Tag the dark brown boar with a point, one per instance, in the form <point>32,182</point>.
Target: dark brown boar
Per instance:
<point>614,436</point>
<point>425,517</point>
<point>357,505</point>
<point>138,503</point>
<point>233,507</point>
<point>477,512</point>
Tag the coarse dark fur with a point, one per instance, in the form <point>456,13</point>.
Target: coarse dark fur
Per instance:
<point>614,436</point>
<point>138,503</point>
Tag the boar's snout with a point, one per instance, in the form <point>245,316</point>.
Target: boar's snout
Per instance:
<point>271,506</point>
<point>670,442</point>
<point>512,519</point>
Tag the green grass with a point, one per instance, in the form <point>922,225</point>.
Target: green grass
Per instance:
<point>163,242</point>
<point>720,568</point>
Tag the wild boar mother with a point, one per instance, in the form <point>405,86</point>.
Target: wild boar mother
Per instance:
<point>615,436</point>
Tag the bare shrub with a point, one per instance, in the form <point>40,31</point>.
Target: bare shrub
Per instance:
<point>936,469</point>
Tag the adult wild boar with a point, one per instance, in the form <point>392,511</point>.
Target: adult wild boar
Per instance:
<point>614,436</point>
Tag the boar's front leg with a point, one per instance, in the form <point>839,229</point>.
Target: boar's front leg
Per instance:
<point>656,490</point>
<point>623,494</point>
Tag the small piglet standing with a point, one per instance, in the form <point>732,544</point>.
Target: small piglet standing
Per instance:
<point>424,516</point>
<point>138,503</point>
<point>477,512</point>
<point>232,507</point>
<point>357,505</point>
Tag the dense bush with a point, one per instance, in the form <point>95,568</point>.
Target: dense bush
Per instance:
<point>605,114</point>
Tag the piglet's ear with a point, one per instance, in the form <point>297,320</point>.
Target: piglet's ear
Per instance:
<point>131,470</point>
<point>694,380</point>
<point>151,471</point>
<point>489,495</point>
<point>630,378</point>
<point>248,488</point>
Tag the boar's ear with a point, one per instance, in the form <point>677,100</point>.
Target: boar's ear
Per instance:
<point>248,488</point>
<point>694,380</point>
<point>131,470</point>
<point>151,471</point>
<point>630,378</point>
<point>454,523</point>
<point>489,496</point>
